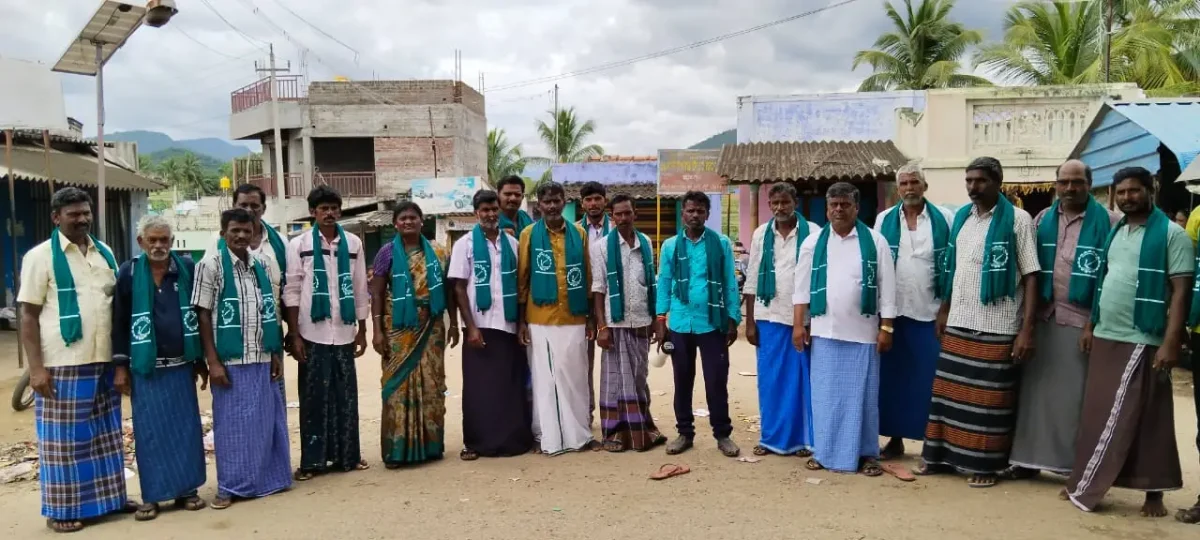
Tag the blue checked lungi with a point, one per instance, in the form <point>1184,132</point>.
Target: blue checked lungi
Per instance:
<point>250,434</point>
<point>784,392</point>
<point>906,379</point>
<point>167,432</point>
<point>82,469</point>
<point>845,403</point>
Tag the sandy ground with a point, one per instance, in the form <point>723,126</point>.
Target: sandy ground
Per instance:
<point>600,495</point>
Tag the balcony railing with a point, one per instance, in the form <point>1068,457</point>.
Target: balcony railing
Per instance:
<point>349,184</point>
<point>293,184</point>
<point>291,88</point>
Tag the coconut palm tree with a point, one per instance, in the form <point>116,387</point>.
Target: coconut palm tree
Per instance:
<point>571,139</point>
<point>187,173</point>
<point>504,159</point>
<point>921,52</point>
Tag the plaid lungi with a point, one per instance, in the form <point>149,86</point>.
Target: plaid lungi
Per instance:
<point>82,472</point>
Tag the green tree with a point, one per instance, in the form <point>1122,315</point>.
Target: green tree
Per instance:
<point>570,144</point>
<point>186,173</point>
<point>504,158</point>
<point>922,51</point>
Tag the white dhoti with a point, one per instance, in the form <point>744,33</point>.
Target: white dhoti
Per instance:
<point>559,367</point>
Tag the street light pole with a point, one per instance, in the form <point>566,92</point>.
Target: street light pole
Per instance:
<point>100,204</point>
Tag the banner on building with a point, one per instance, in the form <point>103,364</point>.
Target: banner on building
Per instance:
<point>441,196</point>
<point>31,97</point>
<point>680,171</point>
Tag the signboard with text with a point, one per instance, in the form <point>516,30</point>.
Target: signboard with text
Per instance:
<point>440,196</point>
<point>680,171</point>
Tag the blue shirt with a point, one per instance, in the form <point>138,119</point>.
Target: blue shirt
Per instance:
<point>168,320</point>
<point>692,317</point>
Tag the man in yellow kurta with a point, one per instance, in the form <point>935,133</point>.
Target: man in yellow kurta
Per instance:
<point>552,288</point>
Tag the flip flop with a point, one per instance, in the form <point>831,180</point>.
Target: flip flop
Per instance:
<point>669,470</point>
<point>899,471</point>
<point>813,465</point>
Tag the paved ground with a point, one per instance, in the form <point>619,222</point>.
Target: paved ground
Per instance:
<point>598,495</point>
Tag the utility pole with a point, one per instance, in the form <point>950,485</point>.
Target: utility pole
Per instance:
<point>274,87</point>
<point>557,151</point>
<point>101,204</point>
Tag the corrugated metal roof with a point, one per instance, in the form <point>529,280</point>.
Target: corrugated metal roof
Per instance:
<point>29,163</point>
<point>754,163</point>
<point>1125,134</point>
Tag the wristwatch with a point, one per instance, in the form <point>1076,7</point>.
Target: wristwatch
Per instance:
<point>887,329</point>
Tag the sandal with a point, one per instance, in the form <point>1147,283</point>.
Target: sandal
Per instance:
<point>64,526</point>
<point>804,453</point>
<point>813,465</point>
<point>891,450</point>
<point>221,503</point>
<point>760,450</point>
<point>302,475</point>
<point>130,508</point>
<point>615,447</point>
<point>191,504</point>
<point>1188,515</point>
<point>870,468</point>
<point>669,470</point>
<point>928,469</point>
<point>468,455</point>
<point>899,471</point>
<point>594,446</point>
<point>1018,473</point>
<point>982,480</point>
<point>146,512</point>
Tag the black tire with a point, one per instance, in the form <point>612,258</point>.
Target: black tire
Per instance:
<point>22,397</point>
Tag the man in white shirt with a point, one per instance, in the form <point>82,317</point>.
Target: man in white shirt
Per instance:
<point>846,281</point>
<point>783,386</point>
<point>593,197</point>
<point>917,232</point>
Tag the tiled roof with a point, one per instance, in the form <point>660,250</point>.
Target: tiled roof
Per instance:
<point>755,163</point>
<point>637,191</point>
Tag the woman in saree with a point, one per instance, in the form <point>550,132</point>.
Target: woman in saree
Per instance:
<point>410,298</point>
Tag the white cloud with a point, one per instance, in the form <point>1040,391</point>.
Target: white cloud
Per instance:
<point>164,81</point>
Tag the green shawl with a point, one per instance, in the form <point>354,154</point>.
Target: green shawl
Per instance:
<point>941,238</point>
<point>616,274</point>
<point>718,312</point>
<point>1088,252</point>
<point>998,276</point>
<point>321,307</point>
<point>482,270</point>
<point>70,326</point>
<point>404,295</point>
<point>143,345</point>
<point>523,220</point>
<point>278,246</point>
<point>766,266</point>
<point>818,285</point>
<point>1150,301</point>
<point>229,324</point>
<point>584,223</point>
<point>544,283</point>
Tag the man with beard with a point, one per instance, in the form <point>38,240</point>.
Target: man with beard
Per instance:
<point>1127,430</point>
<point>986,326</point>
<point>594,199</point>
<point>845,281</point>
<point>483,265</point>
<point>553,281</point>
<point>156,336</point>
<point>917,232</point>
<point>234,296</point>
<point>65,299</point>
<point>1070,240</point>
<point>697,286</point>
<point>511,190</point>
<point>623,292</point>
<point>784,398</point>
<point>328,305</point>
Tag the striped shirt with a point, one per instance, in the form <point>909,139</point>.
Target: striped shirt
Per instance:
<point>206,294</point>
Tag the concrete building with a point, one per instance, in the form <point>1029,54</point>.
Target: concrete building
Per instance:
<point>368,139</point>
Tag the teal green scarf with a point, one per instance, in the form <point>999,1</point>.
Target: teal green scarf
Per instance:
<point>482,270</point>
<point>681,272</point>
<point>70,326</point>
<point>941,237</point>
<point>818,285</point>
<point>143,347</point>
<point>1194,312</point>
<point>1088,253</point>
<point>229,324</point>
<point>404,296</point>
<point>544,283</point>
<point>1150,301</point>
<point>278,245</point>
<point>321,308</point>
<point>766,267</point>
<point>616,274</point>
<point>999,273</point>
<point>585,224</point>
<point>523,220</point>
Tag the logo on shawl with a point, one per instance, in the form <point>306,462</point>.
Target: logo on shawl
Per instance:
<point>481,271</point>
<point>141,328</point>
<point>574,277</point>
<point>1088,261</point>
<point>871,274</point>
<point>316,283</point>
<point>347,287</point>
<point>228,311</point>
<point>999,257</point>
<point>268,308</point>
<point>190,323</point>
<point>545,260</point>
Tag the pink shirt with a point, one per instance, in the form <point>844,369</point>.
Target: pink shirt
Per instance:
<point>298,291</point>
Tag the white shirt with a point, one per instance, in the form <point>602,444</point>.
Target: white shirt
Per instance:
<point>462,266</point>
<point>636,287</point>
<point>781,309</point>
<point>915,297</point>
<point>301,281</point>
<point>843,319</point>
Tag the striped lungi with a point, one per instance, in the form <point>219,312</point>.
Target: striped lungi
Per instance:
<point>250,434</point>
<point>845,403</point>
<point>167,432</point>
<point>624,392</point>
<point>973,410</point>
<point>82,463</point>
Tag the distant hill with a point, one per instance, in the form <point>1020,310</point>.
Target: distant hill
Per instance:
<point>716,141</point>
<point>151,142</point>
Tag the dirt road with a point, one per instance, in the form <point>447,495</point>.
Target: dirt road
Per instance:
<point>600,495</point>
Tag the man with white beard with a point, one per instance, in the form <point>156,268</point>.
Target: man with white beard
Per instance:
<point>158,357</point>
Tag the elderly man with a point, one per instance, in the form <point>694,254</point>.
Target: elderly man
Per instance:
<point>846,282</point>
<point>986,325</point>
<point>917,232</point>
<point>784,398</point>
<point>697,287</point>
<point>328,304</point>
<point>623,296</point>
<point>1070,243</point>
<point>156,336</point>
<point>65,299</point>
<point>1127,430</point>
<point>553,282</point>
<point>234,296</point>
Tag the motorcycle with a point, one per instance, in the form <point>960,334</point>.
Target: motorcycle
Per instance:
<point>22,396</point>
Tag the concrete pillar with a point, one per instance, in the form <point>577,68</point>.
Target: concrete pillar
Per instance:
<point>306,163</point>
<point>748,233</point>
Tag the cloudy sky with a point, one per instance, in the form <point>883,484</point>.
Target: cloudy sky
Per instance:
<point>177,79</point>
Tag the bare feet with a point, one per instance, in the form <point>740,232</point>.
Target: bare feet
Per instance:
<point>1063,496</point>
<point>1154,506</point>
